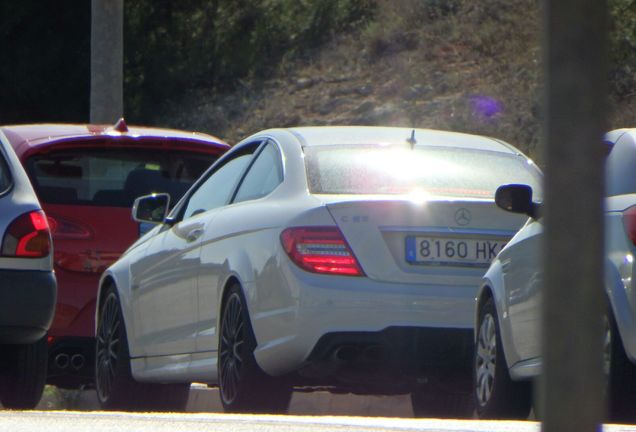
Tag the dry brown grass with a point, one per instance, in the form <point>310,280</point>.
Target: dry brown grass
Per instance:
<point>417,63</point>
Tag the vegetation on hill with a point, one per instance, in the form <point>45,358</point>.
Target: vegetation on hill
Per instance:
<point>232,67</point>
<point>447,64</point>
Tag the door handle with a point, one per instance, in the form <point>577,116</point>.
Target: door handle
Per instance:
<point>194,234</point>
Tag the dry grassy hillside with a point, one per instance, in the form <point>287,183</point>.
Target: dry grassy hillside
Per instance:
<point>464,66</point>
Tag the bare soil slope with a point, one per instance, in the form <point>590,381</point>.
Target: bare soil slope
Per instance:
<point>475,69</point>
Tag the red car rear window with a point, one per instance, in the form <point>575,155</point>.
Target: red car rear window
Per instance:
<point>113,177</point>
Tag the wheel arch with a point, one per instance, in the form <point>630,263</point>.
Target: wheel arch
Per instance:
<point>105,282</point>
<point>484,294</point>
<point>493,287</point>
<point>231,280</point>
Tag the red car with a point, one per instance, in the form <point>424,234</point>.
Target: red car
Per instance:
<point>86,177</point>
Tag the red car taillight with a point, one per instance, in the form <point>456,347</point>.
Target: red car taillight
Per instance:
<point>320,250</point>
<point>28,236</point>
<point>629,222</point>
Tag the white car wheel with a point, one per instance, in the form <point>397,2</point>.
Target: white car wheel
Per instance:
<point>496,395</point>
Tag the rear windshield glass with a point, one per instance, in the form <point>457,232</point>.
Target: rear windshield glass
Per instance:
<point>5,175</point>
<point>420,171</point>
<point>113,177</point>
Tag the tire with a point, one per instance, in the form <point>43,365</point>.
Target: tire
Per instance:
<point>22,384</point>
<point>243,386</point>
<point>115,386</point>
<point>620,373</point>
<point>438,403</point>
<point>496,395</point>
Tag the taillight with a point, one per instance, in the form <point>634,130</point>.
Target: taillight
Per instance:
<point>66,229</point>
<point>629,222</point>
<point>28,236</point>
<point>320,250</point>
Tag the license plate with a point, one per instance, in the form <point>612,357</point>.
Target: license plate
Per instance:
<point>447,250</point>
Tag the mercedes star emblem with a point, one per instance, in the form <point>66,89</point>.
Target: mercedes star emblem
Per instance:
<point>462,216</point>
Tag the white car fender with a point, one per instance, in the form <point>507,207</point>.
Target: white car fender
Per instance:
<point>493,284</point>
<point>120,275</point>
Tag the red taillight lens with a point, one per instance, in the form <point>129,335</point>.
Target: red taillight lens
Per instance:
<point>66,229</point>
<point>28,236</point>
<point>629,222</point>
<point>320,250</point>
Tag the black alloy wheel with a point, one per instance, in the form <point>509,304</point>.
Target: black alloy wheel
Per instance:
<point>231,352</point>
<point>115,385</point>
<point>108,346</point>
<point>243,386</point>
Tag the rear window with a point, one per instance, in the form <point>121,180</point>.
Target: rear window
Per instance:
<point>419,171</point>
<point>113,177</point>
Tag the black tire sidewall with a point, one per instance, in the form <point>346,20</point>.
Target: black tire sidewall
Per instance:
<point>126,393</point>
<point>119,397</point>
<point>621,388</point>
<point>22,388</point>
<point>249,369</point>
<point>257,392</point>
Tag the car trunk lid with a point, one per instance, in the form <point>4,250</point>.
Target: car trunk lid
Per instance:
<point>451,241</point>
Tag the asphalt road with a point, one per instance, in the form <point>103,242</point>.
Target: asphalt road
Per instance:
<point>64,421</point>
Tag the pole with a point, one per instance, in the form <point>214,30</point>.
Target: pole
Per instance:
<point>575,72</point>
<point>107,47</point>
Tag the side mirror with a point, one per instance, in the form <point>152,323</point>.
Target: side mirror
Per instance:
<point>151,208</point>
<point>517,198</point>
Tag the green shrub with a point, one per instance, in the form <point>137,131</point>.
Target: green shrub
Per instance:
<point>175,46</point>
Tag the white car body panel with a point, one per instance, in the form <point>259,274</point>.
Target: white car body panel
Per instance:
<point>168,283</point>
<point>23,200</point>
<point>518,294</point>
<point>291,309</point>
<point>523,290</point>
<point>516,291</point>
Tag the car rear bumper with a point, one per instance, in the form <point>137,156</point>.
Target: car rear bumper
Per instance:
<point>394,360</point>
<point>321,305</point>
<point>27,305</point>
<point>71,362</point>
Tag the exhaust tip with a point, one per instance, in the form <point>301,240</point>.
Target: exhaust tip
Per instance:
<point>61,361</point>
<point>77,361</point>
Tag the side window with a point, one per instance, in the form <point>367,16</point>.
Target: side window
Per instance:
<point>217,189</point>
<point>5,175</point>
<point>620,173</point>
<point>264,175</point>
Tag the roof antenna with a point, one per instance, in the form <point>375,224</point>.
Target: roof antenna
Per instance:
<point>412,140</point>
<point>121,125</point>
